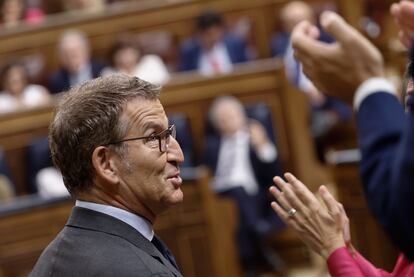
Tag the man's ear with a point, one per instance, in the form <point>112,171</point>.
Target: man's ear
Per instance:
<point>104,164</point>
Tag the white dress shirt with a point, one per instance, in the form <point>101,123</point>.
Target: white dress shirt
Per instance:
<point>234,167</point>
<point>214,61</point>
<point>84,74</point>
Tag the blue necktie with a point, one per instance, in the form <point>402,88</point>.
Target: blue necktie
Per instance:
<point>164,250</point>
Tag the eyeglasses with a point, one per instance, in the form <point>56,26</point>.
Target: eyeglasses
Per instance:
<point>163,139</point>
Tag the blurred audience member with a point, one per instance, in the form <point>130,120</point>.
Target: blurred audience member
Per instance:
<point>6,191</point>
<point>290,15</point>
<point>326,112</point>
<point>92,6</point>
<point>125,57</point>
<point>14,12</point>
<point>77,65</point>
<point>324,228</point>
<point>6,185</point>
<point>17,92</point>
<point>243,160</point>
<point>50,184</point>
<point>212,50</point>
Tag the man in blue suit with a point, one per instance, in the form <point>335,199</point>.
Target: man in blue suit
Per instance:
<point>244,161</point>
<point>352,69</point>
<point>212,50</point>
<point>77,65</point>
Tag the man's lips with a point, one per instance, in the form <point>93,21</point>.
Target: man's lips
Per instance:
<point>175,179</point>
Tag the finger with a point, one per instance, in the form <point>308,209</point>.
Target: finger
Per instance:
<point>395,10</point>
<point>330,202</point>
<point>290,195</point>
<point>301,190</point>
<point>289,220</point>
<point>279,195</point>
<point>339,29</point>
<point>405,14</point>
<point>305,42</point>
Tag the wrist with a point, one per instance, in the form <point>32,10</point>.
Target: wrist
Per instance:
<point>332,247</point>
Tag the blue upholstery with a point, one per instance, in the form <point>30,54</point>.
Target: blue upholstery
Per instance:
<point>184,137</point>
<point>38,157</point>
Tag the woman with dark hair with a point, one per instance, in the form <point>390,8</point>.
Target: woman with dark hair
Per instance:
<point>14,12</point>
<point>126,57</point>
<point>17,92</point>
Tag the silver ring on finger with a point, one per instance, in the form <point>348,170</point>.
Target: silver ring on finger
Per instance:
<point>291,212</point>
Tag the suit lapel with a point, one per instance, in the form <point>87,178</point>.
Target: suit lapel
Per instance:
<point>100,222</point>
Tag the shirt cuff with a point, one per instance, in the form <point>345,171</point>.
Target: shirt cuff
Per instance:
<point>267,152</point>
<point>371,86</point>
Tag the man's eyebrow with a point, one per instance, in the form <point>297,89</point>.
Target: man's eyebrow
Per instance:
<point>152,125</point>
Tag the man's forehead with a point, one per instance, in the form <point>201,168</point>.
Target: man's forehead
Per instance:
<point>145,112</point>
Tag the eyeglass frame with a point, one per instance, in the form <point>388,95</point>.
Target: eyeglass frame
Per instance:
<point>170,131</point>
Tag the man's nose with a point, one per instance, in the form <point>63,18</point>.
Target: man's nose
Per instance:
<point>174,152</point>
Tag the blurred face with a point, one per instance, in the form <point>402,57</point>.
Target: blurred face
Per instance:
<point>15,81</point>
<point>149,178</point>
<point>296,12</point>
<point>74,54</point>
<point>211,36</point>
<point>229,118</point>
<point>12,11</point>
<point>126,59</point>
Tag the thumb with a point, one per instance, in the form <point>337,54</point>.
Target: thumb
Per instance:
<point>336,26</point>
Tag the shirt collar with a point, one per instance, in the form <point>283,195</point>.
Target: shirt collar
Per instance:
<point>139,223</point>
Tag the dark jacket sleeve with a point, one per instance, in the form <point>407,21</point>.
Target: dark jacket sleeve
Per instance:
<point>386,136</point>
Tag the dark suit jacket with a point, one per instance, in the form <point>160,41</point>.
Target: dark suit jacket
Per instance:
<point>191,51</point>
<point>263,171</point>
<point>386,135</point>
<point>96,244</point>
<point>59,81</point>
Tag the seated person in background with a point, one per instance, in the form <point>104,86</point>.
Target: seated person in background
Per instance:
<point>243,160</point>
<point>126,58</point>
<point>6,191</point>
<point>212,50</point>
<point>6,185</point>
<point>325,229</point>
<point>14,12</point>
<point>77,65</point>
<point>17,92</point>
<point>326,112</point>
<point>290,15</point>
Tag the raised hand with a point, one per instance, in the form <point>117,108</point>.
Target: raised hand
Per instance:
<point>338,68</point>
<point>320,227</point>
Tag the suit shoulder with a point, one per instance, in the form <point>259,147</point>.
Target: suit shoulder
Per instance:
<point>79,252</point>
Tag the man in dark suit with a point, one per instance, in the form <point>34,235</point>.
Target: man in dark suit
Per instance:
<point>352,69</point>
<point>77,65</point>
<point>244,161</point>
<point>212,50</point>
<point>119,159</point>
